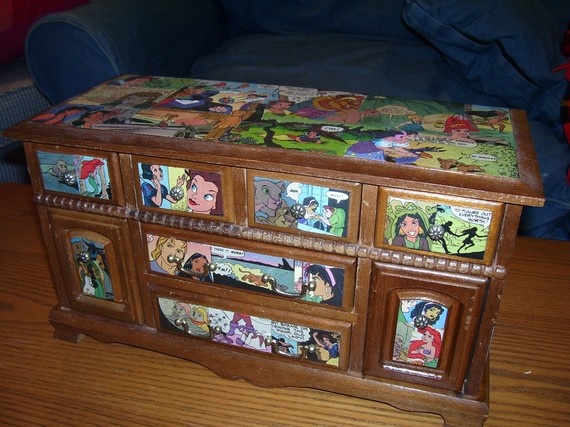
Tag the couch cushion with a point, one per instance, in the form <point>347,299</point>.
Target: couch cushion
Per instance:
<point>370,18</point>
<point>506,49</point>
<point>336,62</point>
<point>19,97</point>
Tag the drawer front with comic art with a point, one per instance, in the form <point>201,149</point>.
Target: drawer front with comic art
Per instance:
<point>288,335</point>
<point>94,253</point>
<point>442,226</point>
<point>302,205</point>
<point>91,174</point>
<point>198,259</point>
<point>422,326</point>
<point>184,188</point>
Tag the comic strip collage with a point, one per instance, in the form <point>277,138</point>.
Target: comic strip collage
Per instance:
<point>246,269</point>
<point>465,138</point>
<point>436,226</point>
<point>250,332</point>
<point>420,329</point>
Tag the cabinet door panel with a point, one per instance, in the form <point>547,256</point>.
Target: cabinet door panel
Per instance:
<point>93,253</point>
<point>423,326</point>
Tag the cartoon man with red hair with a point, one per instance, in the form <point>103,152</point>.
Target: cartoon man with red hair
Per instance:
<point>459,128</point>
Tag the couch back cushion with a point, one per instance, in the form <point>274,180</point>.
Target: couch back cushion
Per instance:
<point>366,18</point>
<point>506,48</point>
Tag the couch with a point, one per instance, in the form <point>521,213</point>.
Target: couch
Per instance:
<point>19,99</point>
<point>482,52</point>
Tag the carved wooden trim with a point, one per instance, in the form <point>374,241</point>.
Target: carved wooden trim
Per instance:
<point>306,242</point>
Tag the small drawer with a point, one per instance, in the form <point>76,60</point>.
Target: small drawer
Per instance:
<point>76,172</point>
<point>288,335</point>
<point>302,205</point>
<point>442,226</point>
<point>184,188</point>
<point>198,259</point>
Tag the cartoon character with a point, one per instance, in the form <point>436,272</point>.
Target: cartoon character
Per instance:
<point>335,218</point>
<point>426,313</point>
<point>328,284</point>
<point>92,271</point>
<point>92,172</point>
<point>410,230</point>
<point>387,144</point>
<point>310,136</point>
<point>426,351</point>
<point>471,233</point>
<point>460,129</point>
<point>199,321</point>
<point>90,118</point>
<point>197,264</point>
<point>330,344</point>
<point>164,252</point>
<point>279,107</point>
<point>203,191</point>
<point>267,199</point>
<point>311,216</point>
<point>59,169</point>
<point>154,192</point>
<point>61,116</point>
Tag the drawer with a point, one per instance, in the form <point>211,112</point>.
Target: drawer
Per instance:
<point>303,205</point>
<point>249,328</point>
<point>442,226</point>
<point>76,172</point>
<point>197,260</point>
<point>184,188</point>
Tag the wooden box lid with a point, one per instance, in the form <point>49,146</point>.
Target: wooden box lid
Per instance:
<point>469,150</point>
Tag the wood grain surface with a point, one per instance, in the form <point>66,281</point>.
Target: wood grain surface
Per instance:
<point>48,382</point>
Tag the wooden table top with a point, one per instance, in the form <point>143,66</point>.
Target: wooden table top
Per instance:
<point>48,382</point>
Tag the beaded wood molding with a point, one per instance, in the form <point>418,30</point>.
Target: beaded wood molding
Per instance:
<point>284,239</point>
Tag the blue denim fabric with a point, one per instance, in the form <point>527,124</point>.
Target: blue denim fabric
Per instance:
<point>553,220</point>
<point>70,52</point>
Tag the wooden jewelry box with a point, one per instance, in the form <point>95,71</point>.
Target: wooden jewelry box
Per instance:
<point>287,236</point>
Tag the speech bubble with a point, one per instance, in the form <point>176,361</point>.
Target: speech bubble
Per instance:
<point>227,252</point>
<point>294,332</point>
<point>473,216</point>
<point>332,129</point>
<point>395,110</point>
<point>483,157</point>
<point>337,195</point>
<point>297,94</point>
<point>224,269</point>
<point>294,191</point>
